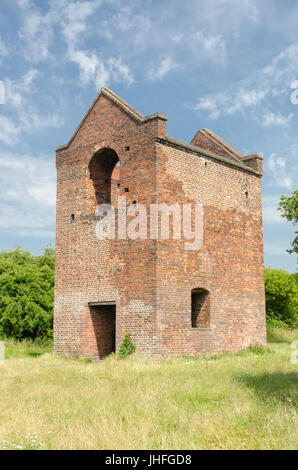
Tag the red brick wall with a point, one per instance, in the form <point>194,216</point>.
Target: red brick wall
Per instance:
<point>151,281</point>
<point>230,263</point>
<point>91,271</point>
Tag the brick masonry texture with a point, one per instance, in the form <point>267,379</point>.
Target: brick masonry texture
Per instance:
<point>106,288</point>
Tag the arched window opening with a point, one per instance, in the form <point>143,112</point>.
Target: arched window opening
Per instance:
<point>200,308</point>
<point>104,170</point>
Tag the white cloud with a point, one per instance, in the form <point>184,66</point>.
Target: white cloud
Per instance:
<point>177,38</point>
<point>32,121</point>
<point>257,92</point>
<point>76,14</point>
<point>119,71</point>
<point>270,213</point>
<point>213,44</point>
<point>3,48</point>
<point>27,195</point>
<point>275,119</point>
<point>167,65</point>
<point>231,102</point>
<point>247,98</point>
<point>135,25</point>
<point>92,69</point>
<point>25,4</point>
<point>211,104</point>
<point>17,89</point>
<point>279,171</point>
<point>36,34</point>
<point>8,130</point>
<point>39,30</point>
<point>24,115</point>
<point>283,68</point>
<point>251,6</point>
<point>131,31</point>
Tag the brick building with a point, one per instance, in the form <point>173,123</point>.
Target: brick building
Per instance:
<point>170,299</point>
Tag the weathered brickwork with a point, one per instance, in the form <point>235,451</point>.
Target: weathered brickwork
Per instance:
<point>106,288</point>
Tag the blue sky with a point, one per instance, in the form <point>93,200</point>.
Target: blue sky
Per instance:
<point>227,65</point>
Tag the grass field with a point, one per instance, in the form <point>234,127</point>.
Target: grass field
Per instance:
<point>242,401</point>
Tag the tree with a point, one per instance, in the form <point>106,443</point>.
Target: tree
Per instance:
<point>281,297</point>
<point>26,294</point>
<point>288,205</point>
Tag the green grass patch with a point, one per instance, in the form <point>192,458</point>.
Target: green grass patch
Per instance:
<point>234,401</point>
<point>281,335</point>
<point>27,348</point>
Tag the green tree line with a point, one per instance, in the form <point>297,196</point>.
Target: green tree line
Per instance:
<point>27,295</point>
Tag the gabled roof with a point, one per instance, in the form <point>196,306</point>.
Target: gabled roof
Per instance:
<point>218,142</point>
<point>204,142</point>
<point>138,117</point>
<point>224,144</point>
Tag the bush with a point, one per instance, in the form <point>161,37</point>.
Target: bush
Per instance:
<point>26,294</point>
<point>281,298</point>
<point>127,347</point>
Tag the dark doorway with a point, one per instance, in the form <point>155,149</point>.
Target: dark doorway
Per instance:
<point>200,308</point>
<point>104,321</point>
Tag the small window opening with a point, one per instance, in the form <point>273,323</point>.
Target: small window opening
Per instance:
<point>127,148</point>
<point>126,190</point>
<point>246,193</point>
<point>134,202</point>
<point>200,308</point>
<point>72,217</point>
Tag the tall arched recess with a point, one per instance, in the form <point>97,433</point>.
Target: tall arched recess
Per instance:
<point>104,168</point>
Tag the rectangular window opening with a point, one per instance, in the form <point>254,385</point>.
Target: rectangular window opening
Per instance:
<point>200,308</point>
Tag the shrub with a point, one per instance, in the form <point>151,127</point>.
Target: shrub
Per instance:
<point>26,294</point>
<point>288,206</point>
<point>127,347</point>
<point>256,349</point>
<point>281,298</point>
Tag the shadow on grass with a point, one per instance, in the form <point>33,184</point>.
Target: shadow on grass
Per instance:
<point>275,388</point>
<point>26,348</point>
<point>274,336</point>
<point>35,353</point>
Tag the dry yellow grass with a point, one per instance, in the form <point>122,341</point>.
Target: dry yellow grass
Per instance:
<point>244,401</point>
